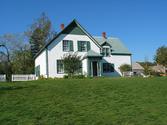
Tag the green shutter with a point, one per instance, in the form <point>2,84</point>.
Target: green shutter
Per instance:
<point>88,45</point>
<point>63,45</point>
<point>79,45</point>
<point>37,70</point>
<point>112,67</point>
<point>71,46</point>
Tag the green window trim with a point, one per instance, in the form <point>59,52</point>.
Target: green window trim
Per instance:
<point>68,45</point>
<point>60,67</point>
<point>106,51</point>
<point>83,46</point>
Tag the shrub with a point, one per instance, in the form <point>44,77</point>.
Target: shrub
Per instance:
<point>65,76</point>
<point>78,76</point>
<point>72,64</point>
<point>153,73</point>
<point>74,77</point>
<point>125,68</point>
<point>41,77</point>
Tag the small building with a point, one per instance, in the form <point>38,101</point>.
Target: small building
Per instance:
<point>137,69</point>
<point>159,69</point>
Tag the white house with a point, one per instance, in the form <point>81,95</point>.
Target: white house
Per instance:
<point>101,56</point>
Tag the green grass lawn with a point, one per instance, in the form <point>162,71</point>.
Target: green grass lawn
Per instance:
<point>99,101</point>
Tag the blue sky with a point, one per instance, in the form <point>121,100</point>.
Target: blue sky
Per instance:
<point>140,24</point>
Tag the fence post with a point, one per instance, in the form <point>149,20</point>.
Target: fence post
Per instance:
<point>5,77</point>
<point>12,78</point>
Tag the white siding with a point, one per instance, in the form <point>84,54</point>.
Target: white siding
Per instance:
<point>84,67</point>
<point>55,51</point>
<point>41,60</point>
<point>117,60</point>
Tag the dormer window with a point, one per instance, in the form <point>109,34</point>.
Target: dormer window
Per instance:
<point>106,51</point>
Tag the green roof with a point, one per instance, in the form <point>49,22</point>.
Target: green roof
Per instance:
<point>92,53</point>
<point>116,45</point>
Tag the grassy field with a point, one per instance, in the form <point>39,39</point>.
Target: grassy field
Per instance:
<point>99,101</point>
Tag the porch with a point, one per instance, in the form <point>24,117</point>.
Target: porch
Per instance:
<point>94,66</point>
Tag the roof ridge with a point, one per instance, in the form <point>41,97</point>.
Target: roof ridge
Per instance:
<point>110,37</point>
<point>55,37</point>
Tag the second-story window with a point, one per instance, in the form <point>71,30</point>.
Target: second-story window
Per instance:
<point>67,45</point>
<point>83,46</point>
<point>106,51</point>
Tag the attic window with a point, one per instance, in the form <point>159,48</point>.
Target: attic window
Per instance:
<point>106,51</point>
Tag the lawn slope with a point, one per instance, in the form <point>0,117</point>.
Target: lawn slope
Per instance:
<point>104,101</point>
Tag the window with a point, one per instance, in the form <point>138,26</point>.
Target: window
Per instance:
<point>67,45</point>
<point>106,51</point>
<point>80,69</point>
<point>83,46</point>
<point>37,70</point>
<point>60,66</point>
<point>108,67</point>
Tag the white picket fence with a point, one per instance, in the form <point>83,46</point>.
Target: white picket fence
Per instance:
<point>127,74</point>
<point>25,77</point>
<point>2,78</point>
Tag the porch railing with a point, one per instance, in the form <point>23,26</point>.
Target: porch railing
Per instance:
<point>127,74</point>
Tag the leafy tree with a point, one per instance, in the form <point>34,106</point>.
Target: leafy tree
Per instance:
<point>3,60</point>
<point>125,68</point>
<point>161,56</point>
<point>13,42</point>
<point>72,64</point>
<point>23,62</point>
<point>146,65</point>
<point>39,33</point>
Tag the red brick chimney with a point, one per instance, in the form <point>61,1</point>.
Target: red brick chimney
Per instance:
<point>62,26</point>
<point>104,35</point>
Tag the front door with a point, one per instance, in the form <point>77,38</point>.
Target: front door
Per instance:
<point>94,68</point>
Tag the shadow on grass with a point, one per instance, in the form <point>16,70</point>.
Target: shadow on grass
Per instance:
<point>11,88</point>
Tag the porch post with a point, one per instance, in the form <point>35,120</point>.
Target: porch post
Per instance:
<point>100,67</point>
<point>91,69</point>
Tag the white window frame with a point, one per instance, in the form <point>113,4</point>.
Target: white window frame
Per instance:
<point>61,70</point>
<point>66,45</point>
<point>83,46</point>
<point>105,51</point>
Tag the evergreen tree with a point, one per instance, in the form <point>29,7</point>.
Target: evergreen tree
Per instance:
<point>40,33</point>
